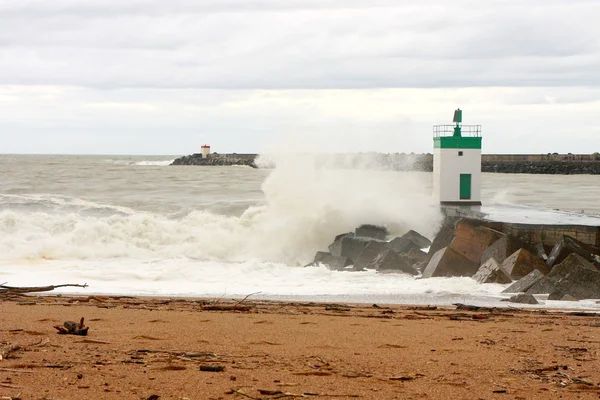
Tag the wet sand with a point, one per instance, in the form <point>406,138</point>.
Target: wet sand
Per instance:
<point>143,348</point>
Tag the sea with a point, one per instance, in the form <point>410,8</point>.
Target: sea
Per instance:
<point>134,225</point>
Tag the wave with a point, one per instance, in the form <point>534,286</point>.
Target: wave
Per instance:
<point>161,163</point>
<point>306,205</point>
<point>128,161</point>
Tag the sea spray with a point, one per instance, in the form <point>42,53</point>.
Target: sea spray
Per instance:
<point>306,203</point>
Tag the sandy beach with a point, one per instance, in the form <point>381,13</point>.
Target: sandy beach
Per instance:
<point>159,348</point>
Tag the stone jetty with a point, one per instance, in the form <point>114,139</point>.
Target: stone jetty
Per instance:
<point>554,164</point>
<point>216,159</point>
<point>564,268</point>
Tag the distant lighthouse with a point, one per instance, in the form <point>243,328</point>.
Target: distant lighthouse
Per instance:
<point>457,163</point>
<point>205,151</point>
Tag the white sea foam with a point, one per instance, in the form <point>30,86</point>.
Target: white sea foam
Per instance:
<point>307,204</point>
<point>155,163</point>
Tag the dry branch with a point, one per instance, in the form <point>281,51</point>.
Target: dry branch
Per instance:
<point>11,290</point>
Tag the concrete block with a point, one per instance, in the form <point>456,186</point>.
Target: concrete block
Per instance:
<point>567,245</point>
<point>417,239</point>
<point>522,262</point>
<point>447,262</point>
<point>371,231</point>
<point>501,249</point>
<point>332,262</point>
<point>525,283</point>
<point>471,240</point>
<point>390,261</point>
<point>402,245</point>
<point>570,267</point>
<point>442,239</point>
<point>523,298</point>
<point>349,246</point>
<point>491,272</point>
<point>372,250</point>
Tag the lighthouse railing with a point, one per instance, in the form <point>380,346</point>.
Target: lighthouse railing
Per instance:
<point>448,130</point>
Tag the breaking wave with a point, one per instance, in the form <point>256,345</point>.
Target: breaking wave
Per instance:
<point>306,205</point>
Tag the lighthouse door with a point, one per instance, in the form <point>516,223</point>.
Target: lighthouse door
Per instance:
<point>465,186</point>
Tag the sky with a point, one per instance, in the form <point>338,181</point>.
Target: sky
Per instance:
<point>246,76</point>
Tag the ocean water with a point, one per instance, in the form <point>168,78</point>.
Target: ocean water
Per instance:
<point>135,225</point>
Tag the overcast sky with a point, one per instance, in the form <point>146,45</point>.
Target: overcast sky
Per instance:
<point>164,77</point>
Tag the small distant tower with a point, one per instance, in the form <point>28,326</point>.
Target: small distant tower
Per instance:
<point>457,163</point>
<point>205,151</point>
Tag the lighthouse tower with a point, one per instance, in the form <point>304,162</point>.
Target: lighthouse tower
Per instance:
<point>457,163</point>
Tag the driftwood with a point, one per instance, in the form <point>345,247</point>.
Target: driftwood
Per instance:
<point>72,328</point>
<point>12,290</point>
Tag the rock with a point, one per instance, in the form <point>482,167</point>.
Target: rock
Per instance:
<point>581,283</point>
<point>523,284</point>
<point>335,248</point>
<point>390,261</point>
<point>448,262</point>
<point>559,272</point>
<point>419,266</point>
<point>491,272</point>
<point>568,245</point>
<point>442,239</point>
<point>567,297</point>
<point>522,262</point>
<point>417,255</point>
<point>332,262</point>
<point>371,231</point>
<point>523,298</point>
<point>402,245</point>
<point>417,239</point>
<point>572,261</point>
<point>501,249</point>
<point>217,160</point>
<point>372,250</point>
<point>347,244</point>
<point>541,251</point>
<point>470,239</point>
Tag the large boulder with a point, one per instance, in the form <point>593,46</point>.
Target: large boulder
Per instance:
<point>372,231</point>
<point>448,262</point>
<point>332,262</point>
<point>372,250</point>
<point>491,272</point>
<point>522,262</point>
<point>523,284</point>
<point>390,261</point>
<point>567,245</point>
<point>470,239</point>
<point>501,249</point>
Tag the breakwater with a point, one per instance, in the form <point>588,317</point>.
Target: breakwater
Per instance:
<point>554,164</point>
<point>217,160</point>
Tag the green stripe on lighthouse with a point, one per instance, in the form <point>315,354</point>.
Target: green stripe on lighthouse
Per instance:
<point>453,142</point>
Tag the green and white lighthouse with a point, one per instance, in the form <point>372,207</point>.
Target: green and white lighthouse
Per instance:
<point>457,163</point>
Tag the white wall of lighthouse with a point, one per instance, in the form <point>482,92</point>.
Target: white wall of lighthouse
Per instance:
<point>448,166</point>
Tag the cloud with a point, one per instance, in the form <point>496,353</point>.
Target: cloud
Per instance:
<point>299,44</point>
<point>151,76</point>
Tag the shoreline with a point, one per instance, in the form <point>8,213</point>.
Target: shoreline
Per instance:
<point>137,348</point>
